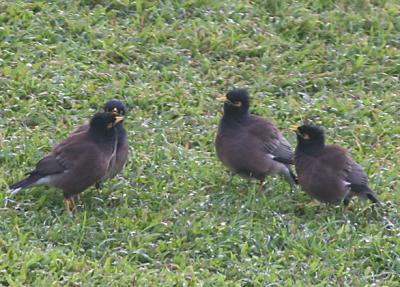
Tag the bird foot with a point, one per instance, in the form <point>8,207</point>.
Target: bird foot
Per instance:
<point>314,203</point>
<point>69,205</point>
<point>261,188</point>
<point>98,187</point>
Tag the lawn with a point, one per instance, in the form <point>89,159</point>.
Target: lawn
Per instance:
<point>174,217</point>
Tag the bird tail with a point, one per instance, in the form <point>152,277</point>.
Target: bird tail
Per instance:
<point>366,191</point>
<point>373,197</point>
<point>27,182</point>
<point>293,176</point>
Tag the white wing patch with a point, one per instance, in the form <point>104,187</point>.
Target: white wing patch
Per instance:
<point>43,180</point>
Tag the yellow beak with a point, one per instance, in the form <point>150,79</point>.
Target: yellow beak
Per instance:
<point>226,100</point>
<point>223,99</point>
<point>118,119</point>
<point>294,128</point>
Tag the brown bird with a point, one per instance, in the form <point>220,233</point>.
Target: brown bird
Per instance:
<point>78,162</point>
<point>249,145</point>
<point>327,172</point>
<point>118,161</point>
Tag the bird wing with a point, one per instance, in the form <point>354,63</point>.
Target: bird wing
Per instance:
<point>79,154</point>
<point>343,164</point>
<point>273,141</point>
<point>49,165</point>
<point>63,156</point>
<point>356,174</point>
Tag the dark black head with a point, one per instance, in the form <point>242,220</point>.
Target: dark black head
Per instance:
<point>116,107</point>
<point>236,102</point>
<point>310,139</point>
<point>104,122</point>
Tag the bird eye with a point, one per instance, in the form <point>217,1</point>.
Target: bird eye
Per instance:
<point>306,136</point>
<point>109,126</point>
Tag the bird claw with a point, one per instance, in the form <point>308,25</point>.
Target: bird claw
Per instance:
<point>98,187</point>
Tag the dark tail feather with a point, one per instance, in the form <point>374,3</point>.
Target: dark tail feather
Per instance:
<point>293,176</point>
<point>365,190</point>
<point>374,198</point>
<point>290,177</point>
<point>283,160</point>
<point>22,184</point>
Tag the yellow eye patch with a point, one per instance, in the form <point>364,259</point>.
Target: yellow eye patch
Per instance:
<point>237,104</point>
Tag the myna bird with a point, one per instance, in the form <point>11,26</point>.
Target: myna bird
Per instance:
<point>121,155</point>
<point>249,145</point>
<point>78,162</point>
<point>327,172</point>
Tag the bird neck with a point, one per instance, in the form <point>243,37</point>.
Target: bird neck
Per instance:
<point>236,116</point>
<point>100,135</point>
<point>313,149</point>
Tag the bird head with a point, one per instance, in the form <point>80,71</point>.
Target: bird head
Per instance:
<point>308,135</point>
<point>115,107</point>
<point>236,102</point>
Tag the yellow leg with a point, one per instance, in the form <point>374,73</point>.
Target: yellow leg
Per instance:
<point>261,188</point>
<point>314,203</point>
<point>69,205</point>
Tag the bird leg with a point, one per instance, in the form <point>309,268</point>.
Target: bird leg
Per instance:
<point>261,187</point>
<point>69,205</point>
<point>346,203</point>
<point>314,203</point>
<point>98,187</point>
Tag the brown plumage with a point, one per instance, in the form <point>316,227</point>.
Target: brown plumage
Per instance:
<point>249,145</point>
<point>327,172</point>
<point>121,155</point>
<point>78,162</point>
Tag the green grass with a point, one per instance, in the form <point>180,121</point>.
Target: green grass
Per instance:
<point>173,218</point>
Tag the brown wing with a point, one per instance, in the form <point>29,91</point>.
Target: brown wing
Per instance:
<point>337,159</point>
<point>274,143</point>
<point>49,165</point>
<point>70,154</point>
<point>356,174</point>
<point>344,165</point>
<point>79,150</point>
<point>86,161</point>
